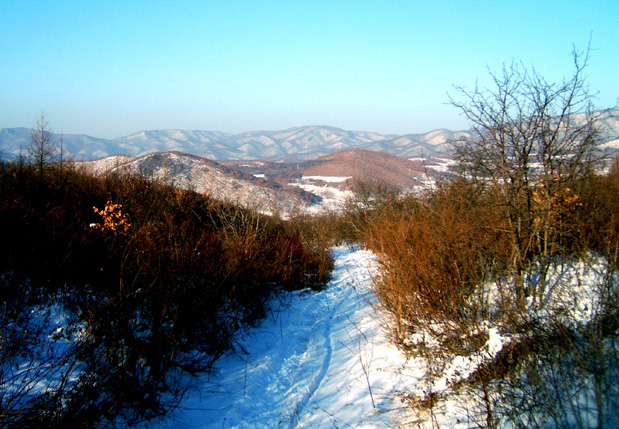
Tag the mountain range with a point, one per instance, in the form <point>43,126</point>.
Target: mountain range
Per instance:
<point>293,144</point>
<point>268,169</point>
<point>266,185</point>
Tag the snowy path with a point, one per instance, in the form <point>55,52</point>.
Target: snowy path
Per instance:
<point>320,359</point>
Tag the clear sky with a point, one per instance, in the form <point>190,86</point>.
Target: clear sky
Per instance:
<point>111,68</point>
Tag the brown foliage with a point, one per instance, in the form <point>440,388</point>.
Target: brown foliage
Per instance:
<point>438,250</point>
<point>162,278</point>
<point>434,253</point>
<point>598,220</point>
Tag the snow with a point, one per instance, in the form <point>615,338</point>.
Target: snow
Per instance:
<point>328,179</point>
<point>49,361</point>
<point>325,358</point>
<point>611,144</point>
<point>333,199</point>
<point>572,291</point>
<point>320,359</point>
<point>442,165</point>
<point>461,367</point>
<point>574,294</point>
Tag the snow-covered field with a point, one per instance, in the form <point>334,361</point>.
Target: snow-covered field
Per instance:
<point>320,359</point>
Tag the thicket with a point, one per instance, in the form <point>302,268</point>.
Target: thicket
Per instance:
<point>440,247</point>
<point>484,249</point>
<point>153,281</point>
<point>447,275</point>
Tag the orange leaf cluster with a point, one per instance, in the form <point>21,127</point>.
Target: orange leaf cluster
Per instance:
<point>114,220</point>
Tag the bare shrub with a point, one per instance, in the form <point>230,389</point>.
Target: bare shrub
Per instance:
<point>161,280</point>
<point>435,251</point>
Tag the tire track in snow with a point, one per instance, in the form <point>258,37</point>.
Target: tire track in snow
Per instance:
<point>304,402</point>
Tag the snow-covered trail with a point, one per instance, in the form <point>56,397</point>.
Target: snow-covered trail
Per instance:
<point>320,359</point>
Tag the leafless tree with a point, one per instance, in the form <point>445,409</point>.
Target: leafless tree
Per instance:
<point>531,139</point>
<point>43,147</point>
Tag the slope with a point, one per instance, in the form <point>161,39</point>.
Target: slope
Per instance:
<point>368,166</point>
<point>319,359</point>
<point>208,177</point>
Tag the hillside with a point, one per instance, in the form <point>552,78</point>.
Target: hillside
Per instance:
<point>354,164</point>
<point>368,166</point>
<point>208,177</point>
<point>266,185</point>
<point>134,265</point>
<point>118,289</point>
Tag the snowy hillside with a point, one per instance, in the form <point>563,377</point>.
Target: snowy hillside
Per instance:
<point>324,359</point>
<point>208,177</point>
<point>320,359</point>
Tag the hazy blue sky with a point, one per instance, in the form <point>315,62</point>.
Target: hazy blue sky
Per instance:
<point>111,68</point>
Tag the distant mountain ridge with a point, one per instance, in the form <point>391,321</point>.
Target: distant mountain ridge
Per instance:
<point>293,145</point>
